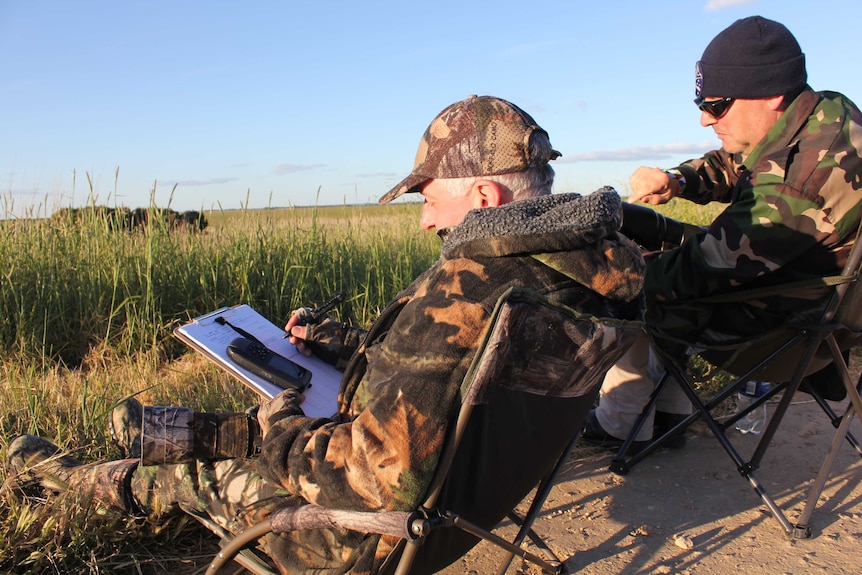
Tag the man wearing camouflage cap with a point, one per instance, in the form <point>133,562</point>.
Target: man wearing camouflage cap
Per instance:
<point>790,168</point>
<point>482,168</point>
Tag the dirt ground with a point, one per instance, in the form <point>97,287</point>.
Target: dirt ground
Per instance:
<point>689,511</point>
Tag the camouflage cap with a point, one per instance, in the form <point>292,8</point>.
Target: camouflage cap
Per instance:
<point>479,136</point>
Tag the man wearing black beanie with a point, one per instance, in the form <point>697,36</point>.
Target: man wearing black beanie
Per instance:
<point>790,170</point>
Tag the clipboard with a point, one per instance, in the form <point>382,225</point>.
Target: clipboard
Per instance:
<point>208,336</point>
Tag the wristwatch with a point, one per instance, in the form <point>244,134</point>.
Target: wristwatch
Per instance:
<point>677,175</point>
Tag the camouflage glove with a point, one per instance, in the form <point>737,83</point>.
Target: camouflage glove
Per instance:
<point>285,404</point>
<point>308,316</point>
<point>332,341</point>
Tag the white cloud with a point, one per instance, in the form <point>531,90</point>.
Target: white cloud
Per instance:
<point>377,175</point>
<point>282,169</point>
<point>210,182</point>
<point>716,5</point>
<point>639,153</point>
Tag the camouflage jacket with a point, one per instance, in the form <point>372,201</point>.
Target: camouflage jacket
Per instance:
<point>794,205</point>
<point>400,389</point>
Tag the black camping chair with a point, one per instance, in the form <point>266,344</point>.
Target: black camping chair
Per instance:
<point>803,345</point>
<point>524,401</point>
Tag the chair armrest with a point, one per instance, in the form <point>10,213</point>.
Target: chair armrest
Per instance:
<point>395,523</point>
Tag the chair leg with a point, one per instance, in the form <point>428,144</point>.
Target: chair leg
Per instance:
<point>854,407</point>
<point>619,464</point>
<point>408,555</point>
<point>836,419</point>
<point>702,410</point>
<point>552,566</point>
<point>802,527</point>
<point>542,492</point>
<point>232,548</point>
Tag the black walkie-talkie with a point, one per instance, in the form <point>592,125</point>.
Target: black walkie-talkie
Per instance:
<point>262,361</point>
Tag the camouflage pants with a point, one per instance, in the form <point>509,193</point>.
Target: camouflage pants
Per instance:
<point>229,496</point>
<point>229,492</point>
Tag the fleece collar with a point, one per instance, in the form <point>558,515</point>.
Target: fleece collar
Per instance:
<point>544,223</point>
<point>575,235</point>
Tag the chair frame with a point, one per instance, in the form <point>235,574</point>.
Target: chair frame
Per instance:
<point>414,526</point>
<point>812,335</point>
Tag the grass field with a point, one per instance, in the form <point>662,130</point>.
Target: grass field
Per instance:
<point>87,314</point>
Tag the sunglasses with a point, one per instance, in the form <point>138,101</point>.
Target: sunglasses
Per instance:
<point>715,108</point>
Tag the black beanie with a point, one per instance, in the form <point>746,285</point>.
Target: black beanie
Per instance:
<point>752,58</point>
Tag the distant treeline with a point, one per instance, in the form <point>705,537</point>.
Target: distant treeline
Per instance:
<point>133,219</point>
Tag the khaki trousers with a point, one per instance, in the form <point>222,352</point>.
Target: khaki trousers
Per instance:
<point>626,391</point>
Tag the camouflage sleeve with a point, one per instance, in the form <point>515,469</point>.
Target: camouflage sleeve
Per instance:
<point>384,456</point>
<point>710,178</point>
<point>333,341</point>
<point>793,211</point>
<point>701,266</point>
<point>770,226</point>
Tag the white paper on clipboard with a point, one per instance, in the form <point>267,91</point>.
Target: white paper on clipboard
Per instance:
<point>211,338</point>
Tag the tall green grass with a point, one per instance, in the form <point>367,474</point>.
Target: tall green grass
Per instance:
<point>70,285</point>
<point>86,316</point>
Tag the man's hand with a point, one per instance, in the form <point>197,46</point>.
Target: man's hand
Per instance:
<point>297,331</point>
<point>652,186</point>
<point>327,339</point>
<point>282,405</point>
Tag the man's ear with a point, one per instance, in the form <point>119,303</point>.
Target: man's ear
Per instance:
<point>776,103</point>
<point>488,194</point>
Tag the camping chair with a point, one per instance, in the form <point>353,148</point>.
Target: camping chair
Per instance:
<point>803,345</point>
<point>524,400</point>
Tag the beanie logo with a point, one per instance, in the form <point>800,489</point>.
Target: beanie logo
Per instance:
<point>698,79</point>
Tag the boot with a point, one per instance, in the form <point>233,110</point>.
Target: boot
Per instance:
<point>108,484</point>
<point>124,426</point>
<point>160,434</point>
<point>665,421</point>
<point>595,435</point>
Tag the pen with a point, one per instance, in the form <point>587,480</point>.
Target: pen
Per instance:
<point>314,315</point>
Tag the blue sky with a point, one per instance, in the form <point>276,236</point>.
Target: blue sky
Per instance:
<point>220,104</point>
